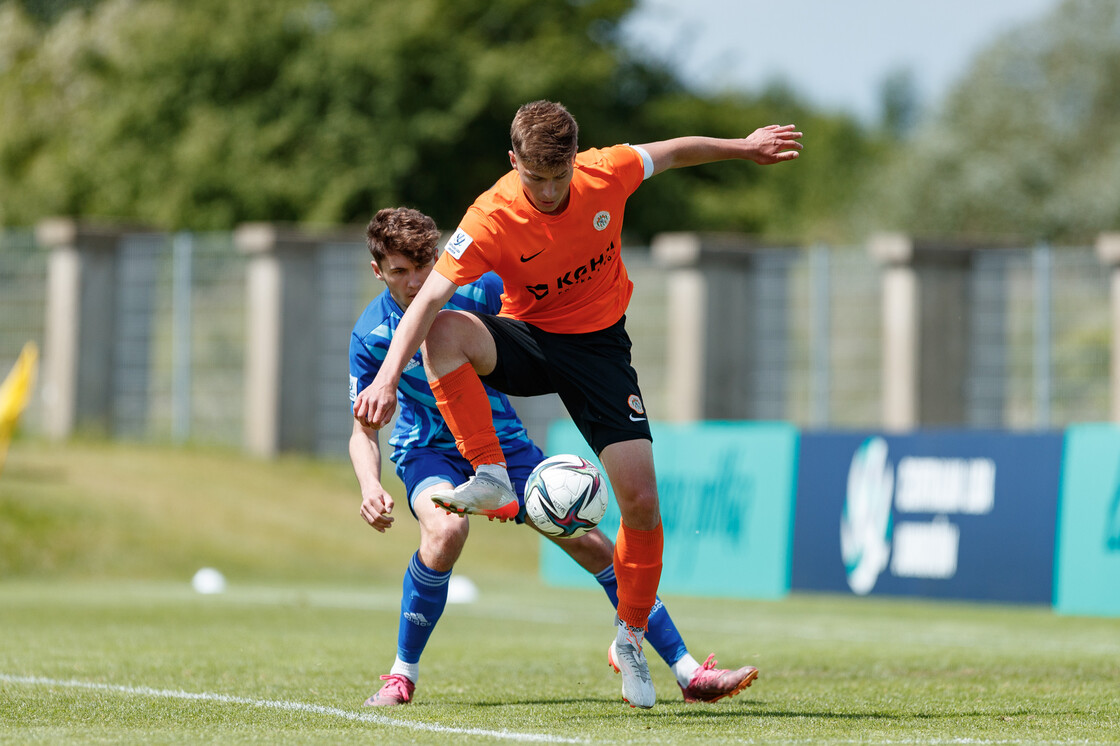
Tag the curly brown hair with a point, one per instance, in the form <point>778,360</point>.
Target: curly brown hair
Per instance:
<point>405,231</point>
<point>544,135</point>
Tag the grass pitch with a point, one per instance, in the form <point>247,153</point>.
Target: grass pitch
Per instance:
<point>117,648</point>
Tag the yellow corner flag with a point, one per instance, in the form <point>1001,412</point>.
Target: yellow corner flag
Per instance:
<point>15,392</point>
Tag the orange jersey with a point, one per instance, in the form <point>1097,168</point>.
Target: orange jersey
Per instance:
<point>563,273</point>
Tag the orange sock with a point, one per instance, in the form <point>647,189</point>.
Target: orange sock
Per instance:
<point>637,566</point>
<point>464,404</point>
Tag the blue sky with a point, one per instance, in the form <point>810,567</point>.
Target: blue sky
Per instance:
<point>836,53</point>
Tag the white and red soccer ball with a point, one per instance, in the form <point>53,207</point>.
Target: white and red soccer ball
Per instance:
<point>565,496</point>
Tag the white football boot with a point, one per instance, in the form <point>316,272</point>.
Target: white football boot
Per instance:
<point>483,494</point>
<point>625,656</point>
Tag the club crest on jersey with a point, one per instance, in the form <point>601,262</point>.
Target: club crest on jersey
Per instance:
<point>635,403</point>
<point>458,243</point>
<point>602,220</point>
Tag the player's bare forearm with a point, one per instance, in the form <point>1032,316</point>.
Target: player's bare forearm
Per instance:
<point>375,405</point>
<point>416,322</point>
<point>365,456</point>
<point>765,146</point>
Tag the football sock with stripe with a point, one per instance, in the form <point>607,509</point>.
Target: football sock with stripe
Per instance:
<point>662,633</point>
<point>465,406</point>
<point>423,599</point>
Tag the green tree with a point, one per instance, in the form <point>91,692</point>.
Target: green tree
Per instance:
<point>1027,145</point>
<point>207,113</point>
<point>809,199</point>
<point>48,11</point>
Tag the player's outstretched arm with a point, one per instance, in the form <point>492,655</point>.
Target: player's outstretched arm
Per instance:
<point>766,145</point>
<point>374,406</point>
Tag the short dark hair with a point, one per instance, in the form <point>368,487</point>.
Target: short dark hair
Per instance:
<point>405,231</point>
<point>544,134</point>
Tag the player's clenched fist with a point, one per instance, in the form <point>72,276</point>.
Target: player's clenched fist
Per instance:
<point>376,508</point>
<point>374,406</point>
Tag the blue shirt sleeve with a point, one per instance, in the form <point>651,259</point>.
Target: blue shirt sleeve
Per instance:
<point>363,367</point>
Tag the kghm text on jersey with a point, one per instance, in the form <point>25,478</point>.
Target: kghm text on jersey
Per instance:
<point>575,276</point>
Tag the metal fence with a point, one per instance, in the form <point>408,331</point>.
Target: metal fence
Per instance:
<point>23,292</point>
<point>178,367</point>
<point>1039,349</point>
<point>347,285</point>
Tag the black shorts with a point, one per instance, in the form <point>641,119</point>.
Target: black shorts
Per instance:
<point>591,372</point>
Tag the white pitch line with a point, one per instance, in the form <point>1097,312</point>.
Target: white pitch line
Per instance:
<point>359,717</point>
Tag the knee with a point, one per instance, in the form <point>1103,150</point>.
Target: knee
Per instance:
<point>593,551</point>
<point>641,498</point>
<point>457,337</point>
<point>447,331</point>
<point>441,546</point>
<point>640,507</point>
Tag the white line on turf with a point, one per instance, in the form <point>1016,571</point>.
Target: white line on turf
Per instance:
<point>363,717</point>
<point>360,717</point>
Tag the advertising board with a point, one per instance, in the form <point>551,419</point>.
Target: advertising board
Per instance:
<point>1088,553</point>
<point>949,514</point>
<point>726,491</point>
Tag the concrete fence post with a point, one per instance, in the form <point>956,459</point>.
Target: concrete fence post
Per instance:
<point>728,318</point>
<point>930,333</point>
<point>79,335</point>
<point>284,337</point>
<point>1108,251</point>
<point>901,334</point>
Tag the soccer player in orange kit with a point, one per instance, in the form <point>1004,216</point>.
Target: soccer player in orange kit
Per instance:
<point>551,229</point>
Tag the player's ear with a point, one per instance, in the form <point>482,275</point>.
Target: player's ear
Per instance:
<point>376,270</point>
<point>512,159</point>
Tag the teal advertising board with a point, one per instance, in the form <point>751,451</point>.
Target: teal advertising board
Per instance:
<point>1088,552</point>
<point>726,493</point>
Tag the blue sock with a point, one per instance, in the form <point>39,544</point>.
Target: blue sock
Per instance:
<point>422,603</point>
<point>661,633</point>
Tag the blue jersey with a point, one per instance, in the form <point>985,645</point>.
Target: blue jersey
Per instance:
<point>419,423</point>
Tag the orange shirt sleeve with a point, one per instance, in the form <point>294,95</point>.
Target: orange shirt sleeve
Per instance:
<point>471,251</point>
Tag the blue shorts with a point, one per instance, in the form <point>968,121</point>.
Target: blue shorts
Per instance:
<point>420,468</point>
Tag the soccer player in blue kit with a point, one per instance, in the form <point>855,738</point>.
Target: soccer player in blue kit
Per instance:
<point>403,244</point>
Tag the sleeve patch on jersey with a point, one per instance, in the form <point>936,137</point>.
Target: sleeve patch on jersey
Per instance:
<point>353,389</point>
<point>458,243</point>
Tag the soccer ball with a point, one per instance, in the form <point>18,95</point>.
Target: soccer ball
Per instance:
<point>565,496</point>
